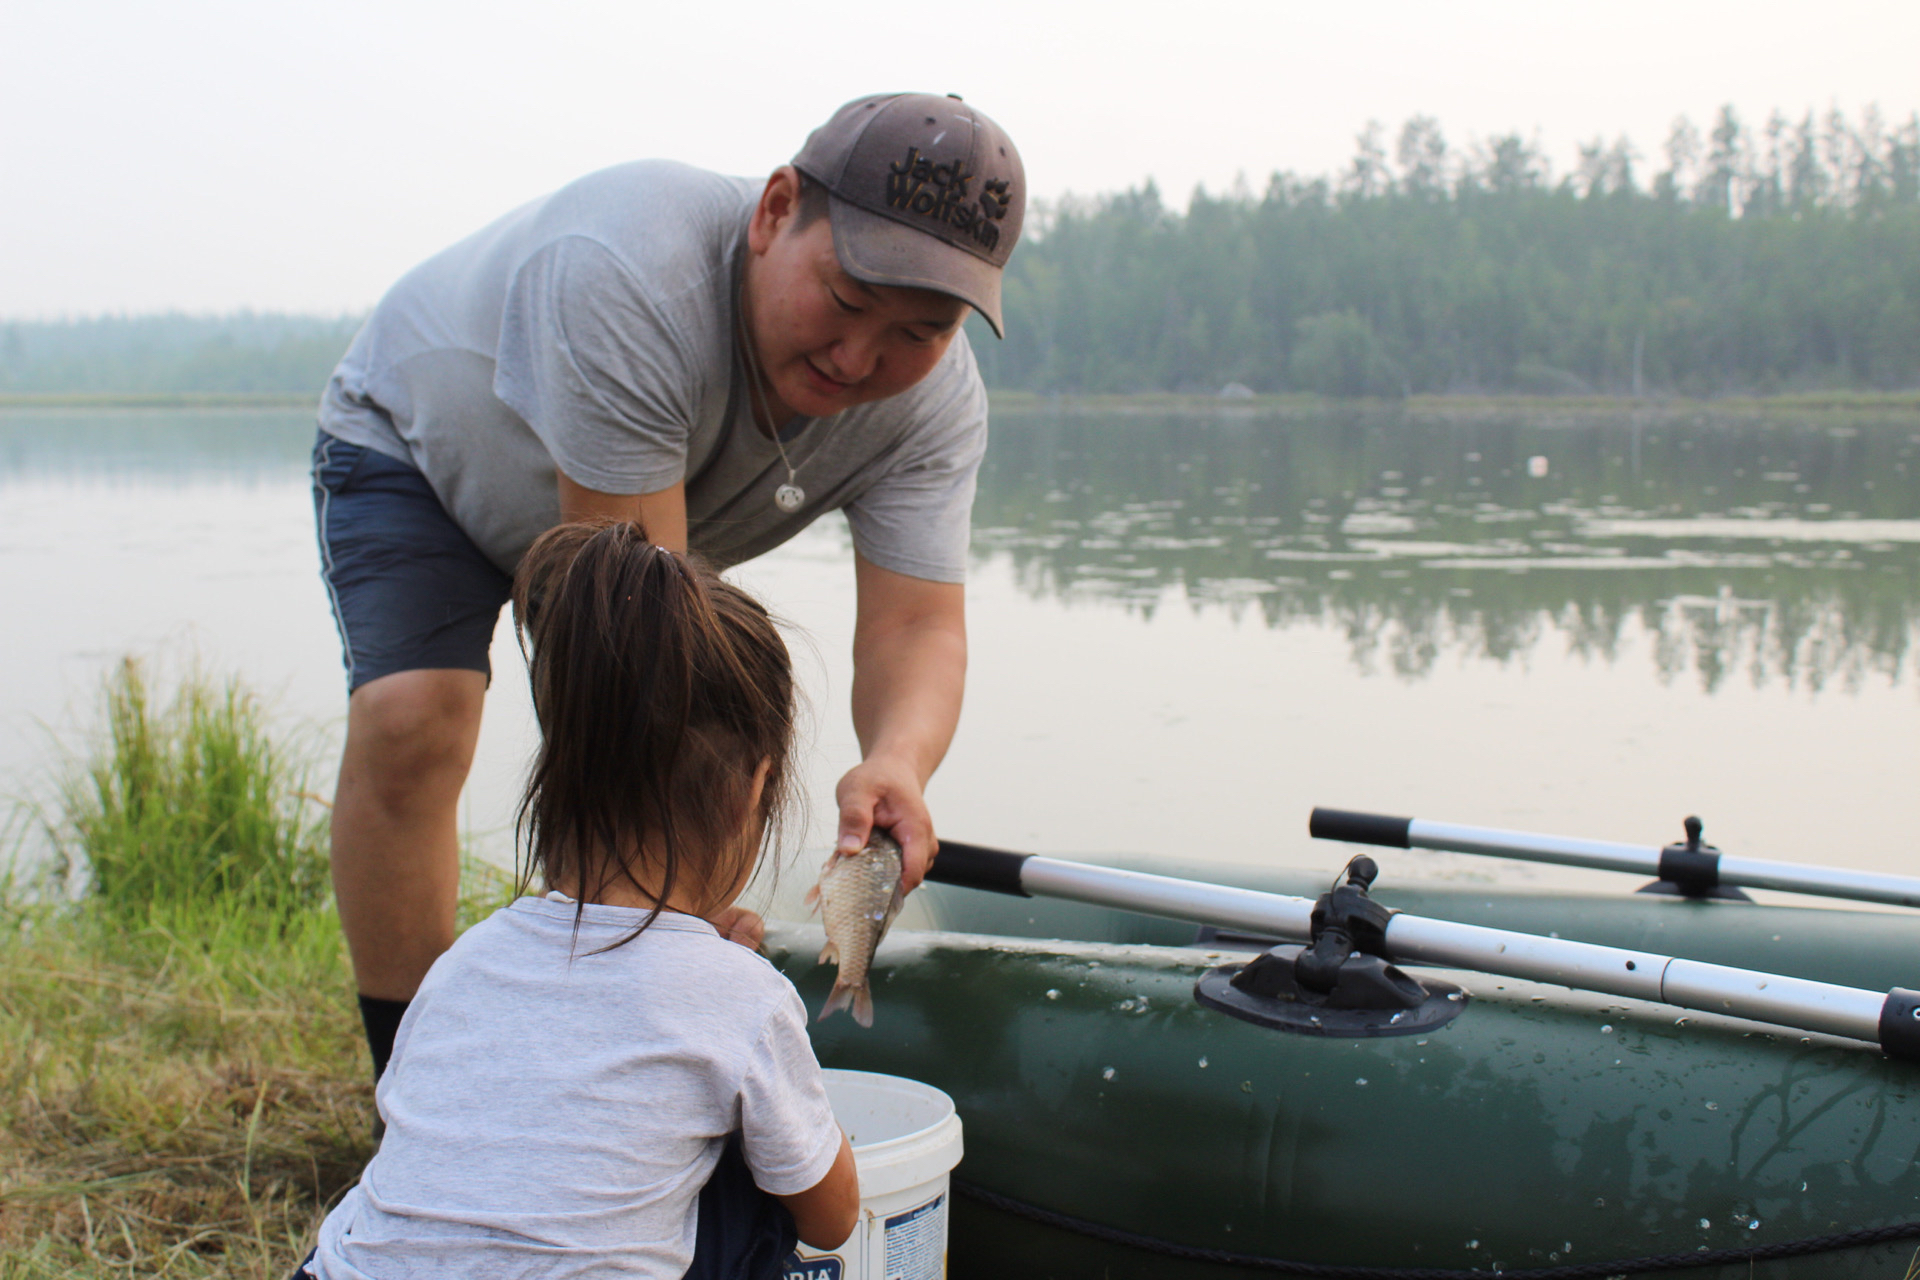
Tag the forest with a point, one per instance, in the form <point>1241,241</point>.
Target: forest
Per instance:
<point>1751,260</point>
<point>1744,259</point>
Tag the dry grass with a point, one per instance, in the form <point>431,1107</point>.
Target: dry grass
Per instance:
<point>171,1110</point>
<point>184,1090</point>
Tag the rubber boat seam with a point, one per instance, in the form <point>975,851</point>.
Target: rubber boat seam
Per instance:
<point>1334,1271</point>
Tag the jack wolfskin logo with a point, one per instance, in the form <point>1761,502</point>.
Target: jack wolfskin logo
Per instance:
<point>939,191</point>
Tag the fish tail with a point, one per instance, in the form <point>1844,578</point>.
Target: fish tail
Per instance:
<point>863,1005</point>
<point>838,998</point>
<point>843,994</point>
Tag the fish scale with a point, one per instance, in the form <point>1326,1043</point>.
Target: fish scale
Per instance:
<point>858,896</point>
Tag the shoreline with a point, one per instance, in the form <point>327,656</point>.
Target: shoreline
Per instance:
<point>1426,404</point>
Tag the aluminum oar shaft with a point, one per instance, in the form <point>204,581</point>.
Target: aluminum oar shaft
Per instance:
<point>1606,855</point>
<point>1891,1020</point>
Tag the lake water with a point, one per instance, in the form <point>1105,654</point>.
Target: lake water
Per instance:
<point>1187,628</point>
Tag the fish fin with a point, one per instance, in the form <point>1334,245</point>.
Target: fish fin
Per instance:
<point>813,898</point>
<point>842,993</point>
<point>893,909</point>
<point>829,954</point>
<point>863,1005</point>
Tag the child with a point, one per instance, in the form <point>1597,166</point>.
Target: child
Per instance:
<point>580,1066</point>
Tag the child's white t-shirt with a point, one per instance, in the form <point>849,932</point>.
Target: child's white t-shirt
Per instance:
<point>554,1111</point>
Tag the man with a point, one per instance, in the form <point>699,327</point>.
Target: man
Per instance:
<point>721,360</point>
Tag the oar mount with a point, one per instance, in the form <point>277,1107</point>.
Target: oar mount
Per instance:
<point>1692,869</point>
<point>1340,984</point>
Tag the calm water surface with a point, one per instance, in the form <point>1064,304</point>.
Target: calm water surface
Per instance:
<point>1187,629</point>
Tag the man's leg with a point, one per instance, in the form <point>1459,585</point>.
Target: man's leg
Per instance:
<point>396,852</point>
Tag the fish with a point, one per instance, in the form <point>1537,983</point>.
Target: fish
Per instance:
<point>858,896</point>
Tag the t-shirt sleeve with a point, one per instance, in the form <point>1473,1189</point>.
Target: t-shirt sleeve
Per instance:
<point>787,1126</point>
<point>916,518</point>
<point>598,368</point>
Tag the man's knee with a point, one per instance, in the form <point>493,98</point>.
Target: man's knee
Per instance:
<point>412,734</point>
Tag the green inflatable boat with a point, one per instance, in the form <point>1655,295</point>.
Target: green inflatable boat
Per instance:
<point>1160,1093</point>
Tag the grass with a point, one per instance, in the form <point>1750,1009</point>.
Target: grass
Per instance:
<point>183,1086</point>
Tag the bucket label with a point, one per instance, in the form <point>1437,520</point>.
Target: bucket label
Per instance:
<point>799,1268</point>
<point>917,1242</point>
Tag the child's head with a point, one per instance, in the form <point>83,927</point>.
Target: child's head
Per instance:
<point>664,695</point>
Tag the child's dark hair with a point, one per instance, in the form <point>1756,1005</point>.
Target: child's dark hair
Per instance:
<point>659,690</point>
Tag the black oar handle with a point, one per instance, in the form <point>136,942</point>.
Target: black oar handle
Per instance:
<point>974,866</point>
<point>1900,1024</point>
<point>1359,828</point>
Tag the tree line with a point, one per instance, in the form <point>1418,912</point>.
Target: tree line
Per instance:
<point>1751,260</point>
<point>1743,259</point>
<point>246,352</point>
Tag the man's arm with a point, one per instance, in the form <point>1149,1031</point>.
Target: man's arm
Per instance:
<point>662,514</point>
<point>909,672</point>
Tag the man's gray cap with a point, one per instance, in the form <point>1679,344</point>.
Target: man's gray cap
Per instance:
<point>926,193</point>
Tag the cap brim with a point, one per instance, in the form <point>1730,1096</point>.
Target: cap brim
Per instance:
<point>877,250</point>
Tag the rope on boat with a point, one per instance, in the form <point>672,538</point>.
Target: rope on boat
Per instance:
<point>1330,1271</point>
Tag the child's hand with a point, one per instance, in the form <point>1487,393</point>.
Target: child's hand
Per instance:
<point>737,924</point>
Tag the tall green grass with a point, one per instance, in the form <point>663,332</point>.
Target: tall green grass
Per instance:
<point>183,1088</point>
<point>190,814</point>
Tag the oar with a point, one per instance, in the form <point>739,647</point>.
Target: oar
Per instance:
<point>1891,1021</point>
<point>1693,867</point>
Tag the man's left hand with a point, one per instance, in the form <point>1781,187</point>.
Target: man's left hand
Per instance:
<point>737,924</point>
<point>883,793</point>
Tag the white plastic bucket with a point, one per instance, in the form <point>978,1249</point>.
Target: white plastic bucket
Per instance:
<point>906,1140</point>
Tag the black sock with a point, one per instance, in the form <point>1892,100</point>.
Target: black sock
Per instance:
<point>381,1019</point>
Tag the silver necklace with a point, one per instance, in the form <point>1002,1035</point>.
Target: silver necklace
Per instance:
<point>790,496</point>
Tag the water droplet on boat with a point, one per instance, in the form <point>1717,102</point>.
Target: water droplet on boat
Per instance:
<point>1704,1224</point>
<point>1361,1081</point>
<point>1053,993</point>
<point>1713,1106</point>
<point>1107,1074</point>
<point>1473,1244</point>
<point>1599,1202</point>
<point>1803,1186</point>
<point>1203,1064</point>
<point>1754,1225</point>
<point>1606,1030</point>
<point>1679,1022</point>
<point>1419,1041</point>
<point>1246,1086</point>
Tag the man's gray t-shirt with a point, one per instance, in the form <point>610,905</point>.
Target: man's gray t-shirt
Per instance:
<point>593,329</point>
<point>554,1108</point>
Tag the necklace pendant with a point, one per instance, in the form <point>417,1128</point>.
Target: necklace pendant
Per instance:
<point>789,497</point>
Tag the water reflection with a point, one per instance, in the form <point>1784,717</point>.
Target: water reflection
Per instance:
<point>179,446</point>
<point>1764,549</point>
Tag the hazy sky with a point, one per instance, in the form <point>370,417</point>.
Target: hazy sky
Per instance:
<point>285,154</point>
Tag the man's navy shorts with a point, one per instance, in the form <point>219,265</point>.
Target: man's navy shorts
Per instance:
<point>410,591</point>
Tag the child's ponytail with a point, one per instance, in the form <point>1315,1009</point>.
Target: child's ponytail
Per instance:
<point>659,690</point>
